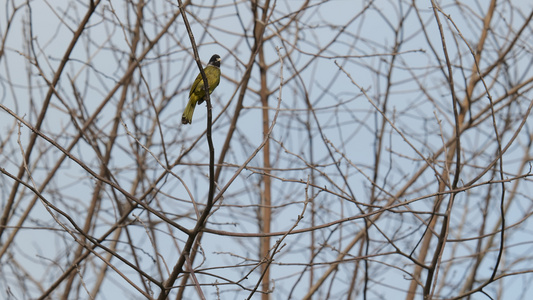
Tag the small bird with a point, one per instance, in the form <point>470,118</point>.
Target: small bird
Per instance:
<point>197,93</point>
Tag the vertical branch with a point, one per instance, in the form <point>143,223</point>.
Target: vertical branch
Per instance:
<point>269,257</point>
<point>433,268</point>
<point>266,194</point>
<point>453,149</point>
<point>200,223</point>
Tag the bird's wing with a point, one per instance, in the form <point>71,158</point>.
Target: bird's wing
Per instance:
<point>195,84</point>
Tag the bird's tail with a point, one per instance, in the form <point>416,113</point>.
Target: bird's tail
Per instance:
<point>189,111</point>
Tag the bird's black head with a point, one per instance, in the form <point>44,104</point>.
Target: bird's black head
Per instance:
<point>215,61</point>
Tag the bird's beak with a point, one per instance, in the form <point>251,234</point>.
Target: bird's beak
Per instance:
<point>218,59</point>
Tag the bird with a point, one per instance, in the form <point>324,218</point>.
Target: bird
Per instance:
<point>197,92</point>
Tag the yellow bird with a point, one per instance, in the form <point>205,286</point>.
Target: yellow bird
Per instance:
<point>197,93</point>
